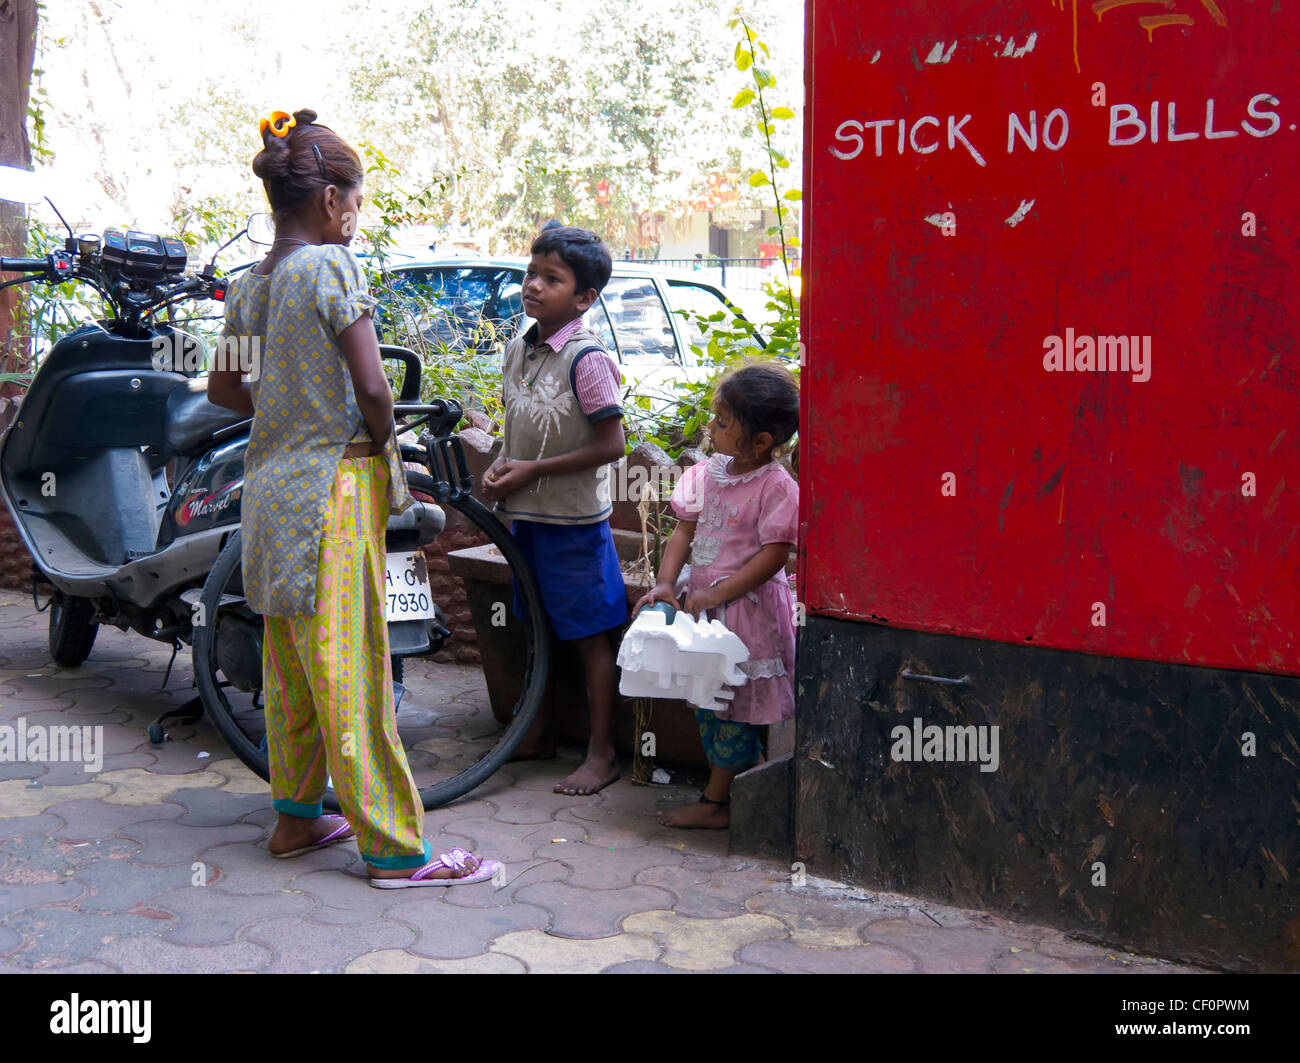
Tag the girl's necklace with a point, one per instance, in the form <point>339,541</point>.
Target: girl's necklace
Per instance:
<point>288,240</point>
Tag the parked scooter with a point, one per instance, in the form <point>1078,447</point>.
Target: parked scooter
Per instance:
<point>84,469</point>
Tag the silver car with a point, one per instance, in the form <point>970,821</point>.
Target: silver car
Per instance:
<point>474,306</point>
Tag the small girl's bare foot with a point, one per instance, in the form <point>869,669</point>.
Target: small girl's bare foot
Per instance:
<point>698,815</point>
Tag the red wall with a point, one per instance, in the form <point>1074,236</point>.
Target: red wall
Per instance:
<point>925,351</point>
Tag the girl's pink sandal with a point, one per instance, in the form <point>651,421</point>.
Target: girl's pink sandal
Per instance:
<point>454,860</point>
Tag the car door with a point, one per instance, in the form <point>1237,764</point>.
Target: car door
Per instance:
<point>647,344</point>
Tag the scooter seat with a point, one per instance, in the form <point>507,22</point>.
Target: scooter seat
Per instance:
<point>192,419</point>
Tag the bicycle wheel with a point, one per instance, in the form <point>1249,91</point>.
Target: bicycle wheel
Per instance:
<point>227,667</point>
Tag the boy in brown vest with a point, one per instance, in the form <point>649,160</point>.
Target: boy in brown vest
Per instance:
<point>563,426</point>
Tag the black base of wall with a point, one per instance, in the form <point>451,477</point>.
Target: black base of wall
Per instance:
<point>1129,769</point>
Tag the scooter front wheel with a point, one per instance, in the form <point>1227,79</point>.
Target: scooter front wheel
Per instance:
<point>72,632</point>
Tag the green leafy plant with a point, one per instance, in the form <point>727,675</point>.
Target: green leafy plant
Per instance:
<point>461,358</point>
<point>728,340</point>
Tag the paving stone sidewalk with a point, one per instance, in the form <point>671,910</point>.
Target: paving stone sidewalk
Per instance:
<point>99,871</point>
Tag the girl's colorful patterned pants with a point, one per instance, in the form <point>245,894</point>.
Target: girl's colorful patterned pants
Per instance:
<point>729,744</point>
<point>328,685</point>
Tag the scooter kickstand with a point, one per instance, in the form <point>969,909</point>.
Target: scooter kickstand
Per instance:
<point>176,648</point>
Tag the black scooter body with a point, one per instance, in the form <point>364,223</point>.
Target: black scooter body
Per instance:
<point>83,470</point>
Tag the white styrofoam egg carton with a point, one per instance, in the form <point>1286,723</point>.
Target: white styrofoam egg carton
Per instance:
<point>692,660</point>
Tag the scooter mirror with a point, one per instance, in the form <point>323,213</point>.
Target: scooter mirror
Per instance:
<point>261,229</point>
<point>20,186</point>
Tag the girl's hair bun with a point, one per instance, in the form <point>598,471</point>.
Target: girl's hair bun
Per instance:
<point>273,161</point>
<point>308,157</point>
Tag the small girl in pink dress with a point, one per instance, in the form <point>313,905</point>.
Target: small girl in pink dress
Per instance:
<point>738,518</point>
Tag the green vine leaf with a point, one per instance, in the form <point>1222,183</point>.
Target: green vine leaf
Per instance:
<point>743,98</point>
<point>782,112</point>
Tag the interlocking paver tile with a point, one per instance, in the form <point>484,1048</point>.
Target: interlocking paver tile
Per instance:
<point>819,921</point>
<point>1035,963</point>
<point>447,932</point>
<point>66,773</point>
<point>210,807</point>
<point>56,936</point>
<point>583,913</point>
<point>205,917</point>
<point>501,841</point>
<point>740,886</point>
<point>250,869</point>
<point>699,842</point>
<point>17,798</point>
<point>29,858</point>
<point>300,945</point>
<point>945,950</point>
<point>608,832</point>
<point>119,885</point>
<point>143,953</point>
<point>691,893</point>
<point>702,944</point>
<point>20,769</point>
<point>551,955</point>
<point>517,875</point>
<point>43,825</point>
<point>794,959</point>
<point>394,961</point>
<point>15,898</point>
<point>344,897</point>
<point>139,787</point>
<point>86,967</point>
<point>621,800</point>
<point>534,806</point>
<point>542,774</point>
<point>95,820</point>
<point>605,867</point>
<point>167,842</point>
<point>179,755</point>
<point>1057,946</point>
<point>646,967</point>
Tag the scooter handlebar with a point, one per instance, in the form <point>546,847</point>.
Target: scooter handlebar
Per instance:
<point>24,265</point>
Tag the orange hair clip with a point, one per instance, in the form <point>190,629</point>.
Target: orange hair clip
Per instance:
<point>280,123</point>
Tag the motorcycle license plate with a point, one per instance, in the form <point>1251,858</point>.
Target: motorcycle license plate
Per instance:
<point>407,594</point>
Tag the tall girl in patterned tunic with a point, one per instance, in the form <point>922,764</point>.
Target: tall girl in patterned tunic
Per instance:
<point>321,475</point>
<point>738,517</point>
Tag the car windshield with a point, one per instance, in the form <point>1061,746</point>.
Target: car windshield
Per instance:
<point>460,308</point>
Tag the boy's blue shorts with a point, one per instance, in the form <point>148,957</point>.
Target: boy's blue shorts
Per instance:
<point>578,571</point>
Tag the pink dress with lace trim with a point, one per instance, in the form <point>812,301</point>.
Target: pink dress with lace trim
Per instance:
<point>735,517</point>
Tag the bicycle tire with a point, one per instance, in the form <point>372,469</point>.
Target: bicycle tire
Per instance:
<point>536,665</point>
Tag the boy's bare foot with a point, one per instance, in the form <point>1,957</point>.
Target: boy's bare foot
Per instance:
<point>593,776</point>
<point>697,815</point>
<point>295,832</point>
<point>471,865</point>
